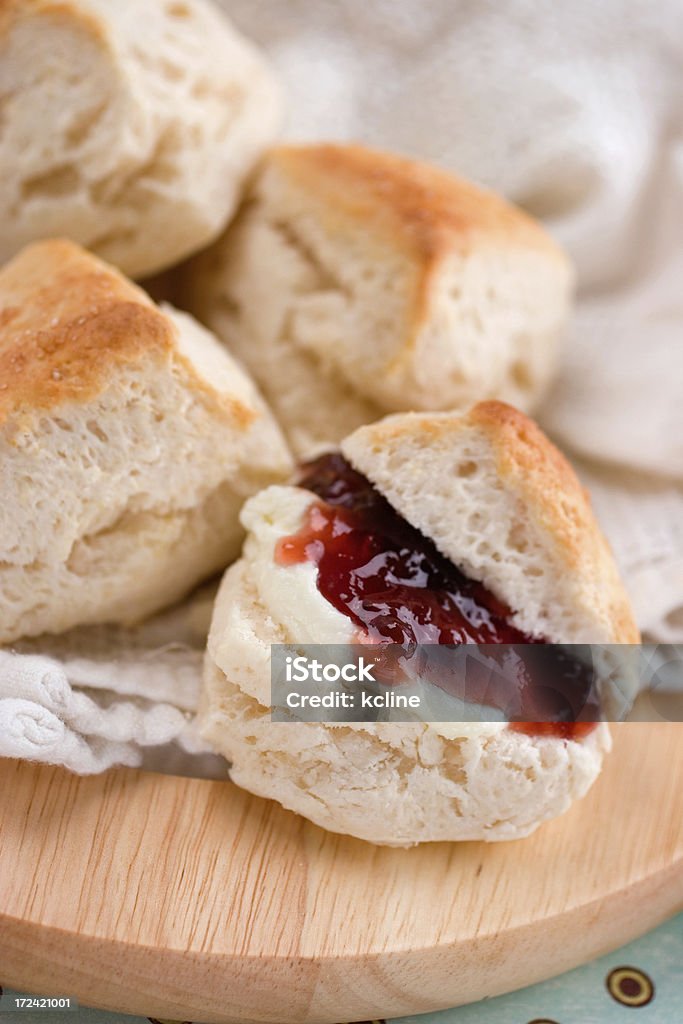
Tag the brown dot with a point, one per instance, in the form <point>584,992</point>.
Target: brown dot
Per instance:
<point>630,986</point>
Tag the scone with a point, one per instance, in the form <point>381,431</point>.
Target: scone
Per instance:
<point>127,125</point>
<point>356,283</point>
<point>128,441</point>
<point>440,528</point>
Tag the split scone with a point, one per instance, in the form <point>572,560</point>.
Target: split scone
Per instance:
<point>127,125</point>
<point>435,528</point>
<point>128,441</point>
<point>356,283</point>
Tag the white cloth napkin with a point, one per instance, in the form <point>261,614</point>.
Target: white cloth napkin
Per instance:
<point>101,696</point>
<point>573,111</point>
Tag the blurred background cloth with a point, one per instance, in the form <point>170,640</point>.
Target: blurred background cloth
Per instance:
<point>574,111</point>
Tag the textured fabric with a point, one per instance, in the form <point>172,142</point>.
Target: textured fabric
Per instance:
<point>102,696</point>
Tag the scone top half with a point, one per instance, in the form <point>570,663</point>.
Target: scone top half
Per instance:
<point>128,441</point>
<point>382,284</point>
<point>502,503</point>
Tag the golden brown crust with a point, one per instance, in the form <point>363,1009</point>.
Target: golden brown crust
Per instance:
<point>542,475</point>
<point>534,466</point>
<point>69,323</point>
<point>66,321</point>
<point>11,11</point>
<point>539,472</point>
<point>426,210</point>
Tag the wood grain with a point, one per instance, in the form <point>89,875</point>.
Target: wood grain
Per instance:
<point>193,900</point>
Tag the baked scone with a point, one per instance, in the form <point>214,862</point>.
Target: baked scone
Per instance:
<point>356,283</point>
<point>129,439</point>
<point>127,125</point>
<point>487,502</point>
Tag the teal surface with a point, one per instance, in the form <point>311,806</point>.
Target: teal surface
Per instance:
<point>582,996</point>
<point>650,992</point>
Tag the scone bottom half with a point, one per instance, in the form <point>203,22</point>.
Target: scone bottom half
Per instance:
<point>363,567</point>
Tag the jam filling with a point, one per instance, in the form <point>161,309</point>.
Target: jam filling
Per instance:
<point>397,588</point>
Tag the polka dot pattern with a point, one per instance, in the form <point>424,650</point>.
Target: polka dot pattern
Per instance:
<point>630,986</point>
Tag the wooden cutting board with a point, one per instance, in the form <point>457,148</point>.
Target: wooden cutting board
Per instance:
<point>190,899</point>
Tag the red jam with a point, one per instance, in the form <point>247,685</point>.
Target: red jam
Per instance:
<point>391,581</point>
